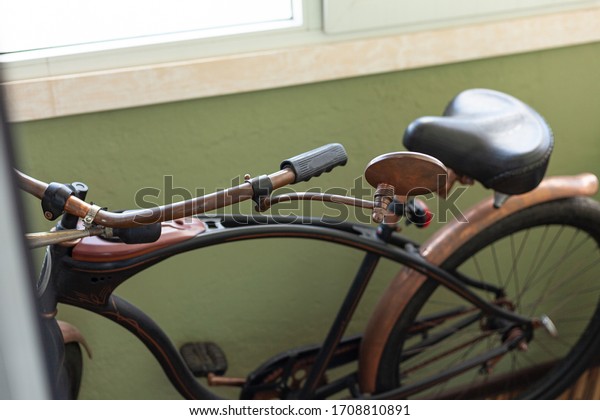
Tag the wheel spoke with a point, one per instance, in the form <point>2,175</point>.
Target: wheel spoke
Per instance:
<point>552,269</point>
<point>553,242</point>
<point>547,288</point>
<point>497,267</point>
<point>513,270</point>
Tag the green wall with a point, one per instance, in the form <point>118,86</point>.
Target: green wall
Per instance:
<point>256,300</point>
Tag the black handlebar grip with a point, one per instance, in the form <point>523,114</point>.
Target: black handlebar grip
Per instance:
<point>143,234</point>
<point>317,161</point>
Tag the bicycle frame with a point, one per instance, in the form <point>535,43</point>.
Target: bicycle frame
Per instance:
<point>90,285</point>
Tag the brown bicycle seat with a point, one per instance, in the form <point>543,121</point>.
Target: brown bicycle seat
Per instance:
<point>488,136</point>
<point>95,249</point>
<point>410,173</point>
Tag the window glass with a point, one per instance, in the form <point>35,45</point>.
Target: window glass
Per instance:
<point>27,25</point>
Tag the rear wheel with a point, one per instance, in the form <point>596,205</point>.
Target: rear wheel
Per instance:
<point>544,260</point>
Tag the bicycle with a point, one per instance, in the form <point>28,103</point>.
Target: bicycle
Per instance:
<point>526,334</point>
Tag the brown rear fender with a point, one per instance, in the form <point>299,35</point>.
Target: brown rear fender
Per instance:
<point>71,334</point>
<point>439,247</point>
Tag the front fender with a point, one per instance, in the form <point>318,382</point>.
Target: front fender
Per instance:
<point>71,334</point>
<point>438,248</point>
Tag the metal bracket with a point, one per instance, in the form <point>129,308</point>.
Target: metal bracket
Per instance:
<point>262,187</point>
<point>88,220</point>
<point>500,199</point>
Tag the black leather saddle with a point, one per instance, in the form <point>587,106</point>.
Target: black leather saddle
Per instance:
<point>488,136</point>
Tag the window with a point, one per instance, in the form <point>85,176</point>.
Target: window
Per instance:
<point>38,25</point>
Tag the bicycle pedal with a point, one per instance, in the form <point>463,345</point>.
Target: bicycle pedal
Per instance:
<point>203,358</point>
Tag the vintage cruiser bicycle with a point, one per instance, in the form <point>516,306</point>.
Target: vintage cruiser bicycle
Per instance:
<point>524,324</point>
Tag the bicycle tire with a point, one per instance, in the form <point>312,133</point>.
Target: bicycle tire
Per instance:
<point>576,313</point>
<point>73,368</point>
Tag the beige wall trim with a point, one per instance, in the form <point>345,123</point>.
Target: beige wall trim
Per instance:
<point>146,85</point>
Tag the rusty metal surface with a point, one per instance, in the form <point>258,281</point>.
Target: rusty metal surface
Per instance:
<point>410,173</point>
<point>95,249</point>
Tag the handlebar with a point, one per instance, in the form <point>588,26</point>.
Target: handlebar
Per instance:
<point>297,169</point>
